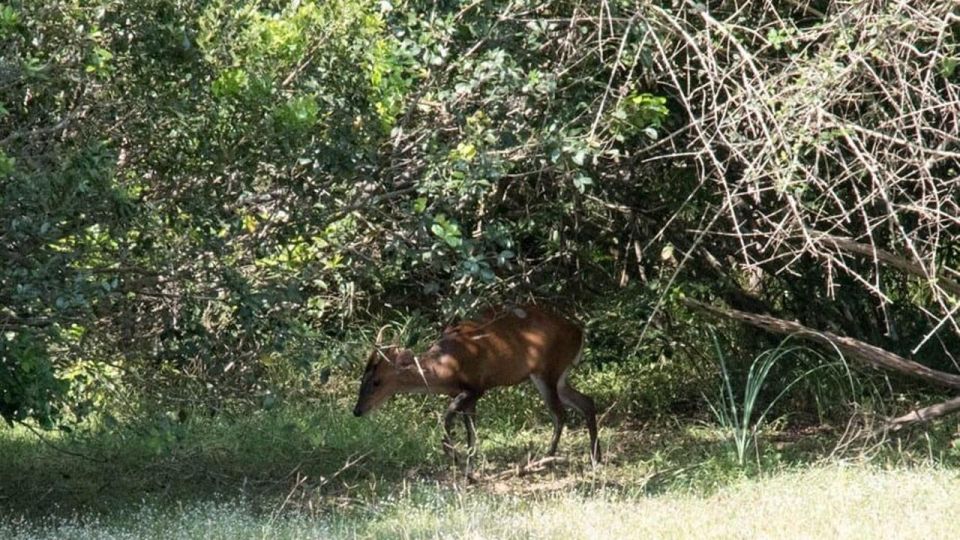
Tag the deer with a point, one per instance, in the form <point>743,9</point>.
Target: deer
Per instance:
<point>506,348</point>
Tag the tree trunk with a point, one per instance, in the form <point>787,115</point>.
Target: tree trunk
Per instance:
<point>869,354</point>
<point>925,414</point>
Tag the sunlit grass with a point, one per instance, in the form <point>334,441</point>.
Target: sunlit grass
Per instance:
<point>822,502</point>
<point>825,502</point>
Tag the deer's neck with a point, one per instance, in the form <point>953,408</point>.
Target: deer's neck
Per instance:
<point>431,376</point>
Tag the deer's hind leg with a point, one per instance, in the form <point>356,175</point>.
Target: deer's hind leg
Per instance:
<point>583,403</point>
<point>551,397</point>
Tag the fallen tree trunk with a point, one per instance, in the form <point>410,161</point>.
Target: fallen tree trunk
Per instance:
<point>864,352</point>
<point>925,414</point>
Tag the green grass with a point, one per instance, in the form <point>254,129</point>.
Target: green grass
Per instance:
<point>308,469</point>
<point>821,502</point>
<point>254,455</point>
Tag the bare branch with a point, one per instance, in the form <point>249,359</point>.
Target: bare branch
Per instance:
<point>900,263</point>
<point>869,354</point>
<point>924,414</point>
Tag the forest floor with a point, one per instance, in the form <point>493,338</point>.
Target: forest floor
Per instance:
<point>316,472</point>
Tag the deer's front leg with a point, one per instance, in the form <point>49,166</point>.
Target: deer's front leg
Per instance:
<point>449,417</point>
<point>469,411</point>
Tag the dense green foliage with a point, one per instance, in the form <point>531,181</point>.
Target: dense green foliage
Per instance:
<point>204,188</point>
<point>205,199</point>
<point>208,207</point>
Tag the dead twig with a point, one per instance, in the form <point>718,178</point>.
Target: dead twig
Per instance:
<point>529,467</point>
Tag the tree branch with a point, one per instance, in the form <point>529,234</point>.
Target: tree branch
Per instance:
<point>925,414</point>
<point>910,267</point>
<point>869,354</point>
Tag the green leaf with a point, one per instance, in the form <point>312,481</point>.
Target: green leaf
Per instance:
<point>447,231</point>
<point>949,65</point>
<point>465,152</point>
<point>581,182</point>
<point>7,164</point>
<point>420,205</point>
<point>579,157</point>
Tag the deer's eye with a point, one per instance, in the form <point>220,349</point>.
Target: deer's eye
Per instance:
<point>376,383</point>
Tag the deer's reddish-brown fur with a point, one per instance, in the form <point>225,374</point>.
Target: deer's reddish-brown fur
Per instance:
<point>505,348</point>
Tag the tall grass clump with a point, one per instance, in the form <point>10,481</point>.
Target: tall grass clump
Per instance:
<point>739,417</point>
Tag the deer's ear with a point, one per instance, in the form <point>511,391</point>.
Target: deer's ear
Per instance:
<point>405,359</point>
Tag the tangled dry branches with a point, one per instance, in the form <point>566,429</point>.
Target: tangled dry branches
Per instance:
<point>830,135</point>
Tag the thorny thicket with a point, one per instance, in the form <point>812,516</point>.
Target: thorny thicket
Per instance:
<point>831,136</point>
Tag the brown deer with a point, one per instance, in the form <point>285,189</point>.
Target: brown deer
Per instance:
<point>504,349</point>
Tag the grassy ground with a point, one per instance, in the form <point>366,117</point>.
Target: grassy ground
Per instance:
<point>312,470</point>
<point>822,502</point>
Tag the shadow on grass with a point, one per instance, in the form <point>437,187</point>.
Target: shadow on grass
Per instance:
<point>689,456</point>
<point>257,457</point>
<point>316,457</point>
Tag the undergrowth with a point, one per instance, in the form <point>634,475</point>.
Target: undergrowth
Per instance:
<point>304,466</point>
